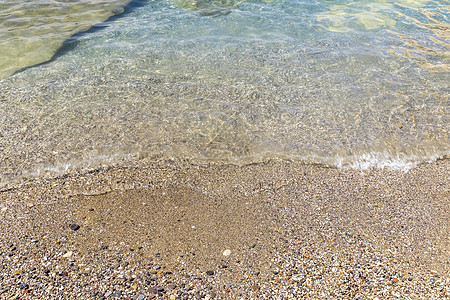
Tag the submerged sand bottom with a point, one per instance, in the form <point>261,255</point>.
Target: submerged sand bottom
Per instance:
<point>294,231</point>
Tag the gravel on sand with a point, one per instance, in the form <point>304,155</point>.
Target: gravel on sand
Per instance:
<point>274,230</point>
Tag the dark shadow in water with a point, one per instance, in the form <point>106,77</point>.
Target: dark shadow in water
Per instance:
<point>72,42</point>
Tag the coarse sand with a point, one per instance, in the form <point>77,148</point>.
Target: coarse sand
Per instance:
<point>272,230</point>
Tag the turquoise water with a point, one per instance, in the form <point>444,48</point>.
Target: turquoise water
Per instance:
<point>347,84</point>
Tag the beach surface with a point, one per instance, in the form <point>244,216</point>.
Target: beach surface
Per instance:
<point>272,230</point>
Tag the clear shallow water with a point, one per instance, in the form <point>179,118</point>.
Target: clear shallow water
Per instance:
<point>348,84</point>
<point>32,31</point>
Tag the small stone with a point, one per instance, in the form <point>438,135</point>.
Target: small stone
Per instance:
<point>118,295</point>
<point>255,287</point>
<point>68,254</point>
<point>308,282</point>
<point>23,286</point>
<point>275,272</point>
<point>104,247</point>
<point>4,208</point>
<point>173,297</point>
<point>141,297</point>
<point>210,273</point>
<point>159,289</point>
<point>74,227</point>
<point>227,252</point>
<point>108,293</point>
<point>157,267</point>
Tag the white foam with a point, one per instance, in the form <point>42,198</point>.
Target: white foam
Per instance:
<point>365,161</point>
<point>384,160</point>
<point>64,168</point>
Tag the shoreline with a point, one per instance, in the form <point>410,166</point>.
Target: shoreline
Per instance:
<point>138,167</point>
<point>294,231</point>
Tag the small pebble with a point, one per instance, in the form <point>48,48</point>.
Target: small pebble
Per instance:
<point>24,286</point>
<point>68,254</point>
<point>209,273</point>
<point>74,227</point>
<point>227,252</point>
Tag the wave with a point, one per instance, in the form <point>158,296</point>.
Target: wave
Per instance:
<point>364,162</point>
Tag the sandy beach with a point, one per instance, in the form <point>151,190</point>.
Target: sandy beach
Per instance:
<point>273,230</point>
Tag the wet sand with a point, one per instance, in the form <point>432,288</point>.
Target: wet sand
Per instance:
<point>159,230</point>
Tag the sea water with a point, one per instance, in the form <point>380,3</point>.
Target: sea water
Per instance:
<point>350,84</point>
